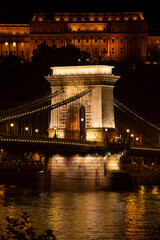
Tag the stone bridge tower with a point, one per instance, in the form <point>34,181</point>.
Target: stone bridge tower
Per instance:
<point>90,117</point>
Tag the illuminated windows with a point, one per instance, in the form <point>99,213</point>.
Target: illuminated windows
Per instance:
<point>6,44</point>
<point>14,44</point>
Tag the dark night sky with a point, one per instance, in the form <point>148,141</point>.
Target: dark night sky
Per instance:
<point>22,12</point>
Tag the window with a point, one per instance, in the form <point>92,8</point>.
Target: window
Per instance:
<point>6,44</point>
<point>22,54</point>
<point>79,40</point>
<point>139,50</point>
<point>61,40</point>
<point>87,40</point>
<point>121,40</point>
<point>36,41</point>
<point>112,40</point>
<point>95,40</point>
<point>121,50</point>
<point>14,44</point>
<point>157,42</point>
<point>130,50</point>
<point>112,50</point>
<point>104,50</point>
<point>104,40</point>
<point>53,41</point>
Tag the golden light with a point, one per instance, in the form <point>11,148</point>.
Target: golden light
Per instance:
<point>6,44</point>
<point>26,128</point>
<point>36,130</point>
<point>127,130</point>
<point>82,119</point>
<point>76,70</point>
<point>132,135</point>
<point>14,44</point>
<point>12,124</point>
<point>137,138</point>
<point>106,129</point>
<point>55,128</point>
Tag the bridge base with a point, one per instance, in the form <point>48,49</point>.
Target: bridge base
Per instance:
<point>79,172</point>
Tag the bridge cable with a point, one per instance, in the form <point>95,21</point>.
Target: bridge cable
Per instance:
<point>47,107</point>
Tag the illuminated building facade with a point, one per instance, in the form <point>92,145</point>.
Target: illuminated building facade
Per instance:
<point>15,39</point>
<point>91,116</point>
<point>105,36</point>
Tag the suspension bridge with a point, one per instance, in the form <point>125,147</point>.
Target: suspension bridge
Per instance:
<point>79,127</point>
<point>70,116</point>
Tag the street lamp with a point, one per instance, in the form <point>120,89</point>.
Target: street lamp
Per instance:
<point>12,128</point>
<point>55,133</point>
<point>26,130</point>
<point>127,130</point>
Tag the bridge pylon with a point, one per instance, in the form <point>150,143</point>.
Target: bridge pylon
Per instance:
<point>90,116</point>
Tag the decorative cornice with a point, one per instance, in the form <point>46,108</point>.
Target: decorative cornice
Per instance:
<point>82,80</point>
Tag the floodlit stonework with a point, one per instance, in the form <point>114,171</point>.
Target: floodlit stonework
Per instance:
<point>98,118</point>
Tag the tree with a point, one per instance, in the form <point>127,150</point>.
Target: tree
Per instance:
<point>44,54</point>
<point>52,56</point>
<point>21,229</point>
<point>154,54</point>
<point>71,55</point>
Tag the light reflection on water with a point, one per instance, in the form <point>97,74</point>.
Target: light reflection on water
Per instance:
<point>87,215</point>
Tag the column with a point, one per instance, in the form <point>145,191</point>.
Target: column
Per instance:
<point>109,47</point>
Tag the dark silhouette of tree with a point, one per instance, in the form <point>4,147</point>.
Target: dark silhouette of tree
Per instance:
<point>64,56</point>
<point>44,54</point>
<point>154,54</point>
<point>71,55</point>
<point>22,229</point>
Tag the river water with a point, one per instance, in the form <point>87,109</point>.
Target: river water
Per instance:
<point>95,215</point>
